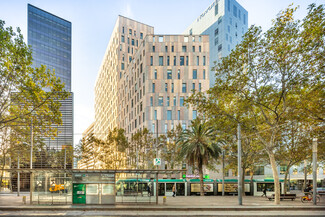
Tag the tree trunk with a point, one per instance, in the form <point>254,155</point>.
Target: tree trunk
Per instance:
<point>243,182</point>
<point>2,170</point>
<point>251,182</point>
<point>285,179</point>
<point>201,178</point>
<point>275,177</point>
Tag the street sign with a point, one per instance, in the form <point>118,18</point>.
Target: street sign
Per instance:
<point>157,161</point>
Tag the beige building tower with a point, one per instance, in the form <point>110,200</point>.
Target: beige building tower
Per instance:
<point>164,72</point>
<point>144,79</point>
<point>125,40</point>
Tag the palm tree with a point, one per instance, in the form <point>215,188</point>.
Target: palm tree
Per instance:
<point>196,146</point>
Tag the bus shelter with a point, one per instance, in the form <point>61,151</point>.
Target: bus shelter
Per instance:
<point>93,186</point>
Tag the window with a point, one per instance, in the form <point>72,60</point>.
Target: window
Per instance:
<point>216,32</point>
<point>178,74</point>
<point>204,60</point>
<point>141,35</point>
<point>200,87</point>
<point>166,48</point>
<point>184,88</point>
<point>200,39</point>
<point>230,39</point>
<point>130,31</point>
<point>174,100</point>
<point>183,48</point>
<point>169,74</point>
<point>166,87</point>
<point>161,60</point>
<point>239,15</point>
<point>153,128</point>
<point>228,47</point>
<point>135,33</point>
<point>181,101</point>
<point>168,101</point>
<point>220,47</point>
<point>153,87</point>
<point>219,20</point>
<point>181,61</point>
<point>155,115</point>
<point>174,60</point>
<point>161,101</point>
<point>226,37</point>
<point>228,29</point>
<point>194,75</point>
<point>197,60</point>
<point>128,40</point>
<point>230,21</point>
<point>122,38</point>
<point>216,41</point>
<point>122,66</point>
<point>173,48</point>
<point>228,5</point>
<point>203,73</point>
<point>151,101</point>
<point>244,18</point>
<point>185,38</point>
<point>153,38</point>
<point>123,29</point>
<point>167,60</point>
<point>191,32</point>
<point>178,115</point>
<point>169,114</point>
<point>187,60</point>
<point>172,87</point>
<point>259,170</point>
<point>216,9</point>
<point>166,129</point>
<point>194,114</point>
<point>193,48</point>
<point>132,42</point>
<point>155,74</point>
<point>161,39</point>
<point>184,126</point>
<point>153,49</point>
<point>235,11</point>
<point>151,60</point>
<point>193,86</point>
<point>143,119</point>
<point>199,48</point>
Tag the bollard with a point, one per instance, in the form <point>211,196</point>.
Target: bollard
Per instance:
<point>164,200</point>
<point>24,200</point>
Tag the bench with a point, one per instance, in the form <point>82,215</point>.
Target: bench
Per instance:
<point>284,197</point>
<point>233,193</point>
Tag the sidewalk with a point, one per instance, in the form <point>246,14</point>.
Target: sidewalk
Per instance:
<point>12,202</point>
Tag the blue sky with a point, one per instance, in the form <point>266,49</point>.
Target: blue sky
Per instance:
<point>94,20</point>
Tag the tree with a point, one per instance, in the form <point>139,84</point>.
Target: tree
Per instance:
<point>196,145</point>
<point>270,76</point>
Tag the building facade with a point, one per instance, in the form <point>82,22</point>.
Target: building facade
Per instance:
<point>225,21</point>
<point>163,74</point>
<point>50,40</point>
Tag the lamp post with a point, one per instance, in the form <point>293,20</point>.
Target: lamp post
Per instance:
<point>31,163</point>
<point>314,170</point>
<point>240,202</point>
<point>223,173</point>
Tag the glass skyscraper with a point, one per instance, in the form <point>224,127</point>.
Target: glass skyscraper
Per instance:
<point>50,40</point>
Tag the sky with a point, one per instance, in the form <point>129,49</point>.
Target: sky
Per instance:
<point>93,22</point>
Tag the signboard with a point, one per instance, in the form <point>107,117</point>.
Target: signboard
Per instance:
<point>196,187</point>
<point>157,161</point>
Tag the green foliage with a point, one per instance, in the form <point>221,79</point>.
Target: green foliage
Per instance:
<point>197,146</point>
<point>271,79</point>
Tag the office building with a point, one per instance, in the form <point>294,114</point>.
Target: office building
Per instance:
<point>145,78</point>
<point>225,21</point>
<point>50,40</point>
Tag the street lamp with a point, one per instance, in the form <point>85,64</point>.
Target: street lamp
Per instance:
<point>314,170</point>
<point>240,202</point>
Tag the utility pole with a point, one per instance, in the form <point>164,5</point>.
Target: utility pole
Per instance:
<point>18,177</point>
<point>157,142</point>
<point>305,174</point>
<point>314,170</point>
<point>223,173</point>
<point>31,164</point>
<point>240,202</point>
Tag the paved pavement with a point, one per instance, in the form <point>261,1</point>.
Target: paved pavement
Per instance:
<point>11,205</point>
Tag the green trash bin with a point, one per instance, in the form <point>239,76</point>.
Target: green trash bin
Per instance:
<point>79,193</point>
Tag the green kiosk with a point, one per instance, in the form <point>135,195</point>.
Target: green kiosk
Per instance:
<point>93,188</point>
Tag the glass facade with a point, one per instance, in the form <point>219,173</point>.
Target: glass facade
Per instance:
<point>50,39</point>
